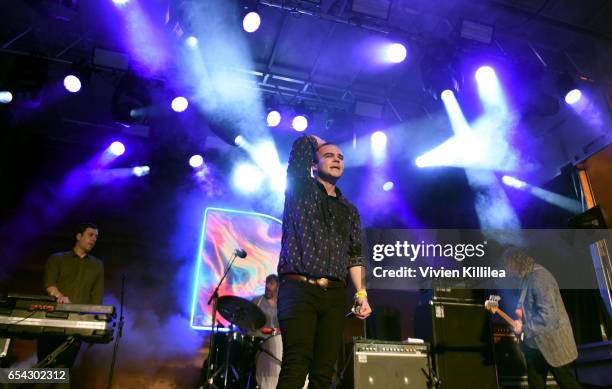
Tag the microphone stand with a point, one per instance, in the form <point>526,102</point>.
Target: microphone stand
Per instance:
<point>214,297</point>
<point>119,332</point>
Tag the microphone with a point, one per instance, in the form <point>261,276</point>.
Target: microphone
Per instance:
<point>240,253</point>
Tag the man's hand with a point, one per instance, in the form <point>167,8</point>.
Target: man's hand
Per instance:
<point>59,297</point>
<point>365,309</point>
<point>518,327</point>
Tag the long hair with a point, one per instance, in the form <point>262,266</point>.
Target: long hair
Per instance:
<point>518,260</point>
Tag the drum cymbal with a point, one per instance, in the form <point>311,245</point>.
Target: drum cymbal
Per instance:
<point>241,312</point>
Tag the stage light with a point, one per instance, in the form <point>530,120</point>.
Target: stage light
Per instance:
<point>447,95</point>
<point>567,87</point>
<point>251,22</point>
<point>247,178</point>
<point>455,114</point>
<point>490,90</point>
<point>179,104</point>
<point>117,148</point>
<point>395,52</point>
<point>387,186</point>
<point>440,70</point>
<point>120,3</point>
<point>485,75</point>
<point>191,42</point>
<point>573,96</point>
<point>196,161</point>
<point>140,171</point>
<point>513,182</point>
<point>420,162</point>
<point>378,140</point>
<point>5,97</point>
<point>72,83</point>
<point>239,140</point>
<point>378,144</point>
<point>130,100</point>
<point>561,201</point>
<point>273,118</point>
<point>299,123</point>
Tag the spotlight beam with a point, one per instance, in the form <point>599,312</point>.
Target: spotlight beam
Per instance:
<point>560,201</point>
<point>490,90</point>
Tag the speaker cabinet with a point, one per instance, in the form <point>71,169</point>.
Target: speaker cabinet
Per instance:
<point>461,343</point>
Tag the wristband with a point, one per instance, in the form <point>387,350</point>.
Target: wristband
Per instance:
<point>361,294</point>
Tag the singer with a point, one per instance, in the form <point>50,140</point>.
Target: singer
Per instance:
<point>320,245</point>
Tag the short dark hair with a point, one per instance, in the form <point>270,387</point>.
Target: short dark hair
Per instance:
<point>272,278</point>
<point>81,227</point>
<point>326,144</point>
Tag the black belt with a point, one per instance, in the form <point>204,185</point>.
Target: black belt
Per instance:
<point>322,282</point>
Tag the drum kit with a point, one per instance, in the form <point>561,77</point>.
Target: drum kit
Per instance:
<point>232,358</point>
<point>249,353</point>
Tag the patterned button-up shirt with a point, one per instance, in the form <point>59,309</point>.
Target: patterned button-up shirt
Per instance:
<point>321,233</point>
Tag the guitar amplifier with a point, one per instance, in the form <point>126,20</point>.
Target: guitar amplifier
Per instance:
<point>390,365</point>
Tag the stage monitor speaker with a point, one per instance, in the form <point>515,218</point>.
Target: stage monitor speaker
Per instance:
<point>390,365</point>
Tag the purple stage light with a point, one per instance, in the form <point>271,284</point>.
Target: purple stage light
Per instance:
<point>490,90</point>
<point>299,123</point>
<point>72,83</point>
<point>573,96</point>
<point>251,22</point>
<point>395,52</point>
<point>117,148</point>
<point>378,141</point>
<point>140,171</point>
<point>196,161</point>
<point>387,186</point>
<point>191,42</point>
<point>447,94</point>
<point>513,182</point>
<point>273,118</point>
<point>420,162</point>
<point>247,178</point>
<point>485,75</point>
<point>239,140</point>
<point>5,97</point>
<point>179,104</point>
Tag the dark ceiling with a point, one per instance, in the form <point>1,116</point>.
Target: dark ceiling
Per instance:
<point>310,51</point>
<point>316,52</point>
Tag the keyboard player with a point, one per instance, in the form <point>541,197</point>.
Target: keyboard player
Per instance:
<point>75,277</point>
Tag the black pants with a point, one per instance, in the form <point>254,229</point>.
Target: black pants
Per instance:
<point>311,321</point>
<point>537,370</point>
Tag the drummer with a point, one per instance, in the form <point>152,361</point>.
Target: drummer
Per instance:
<point>267,303</point>
<point>268,359</point>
